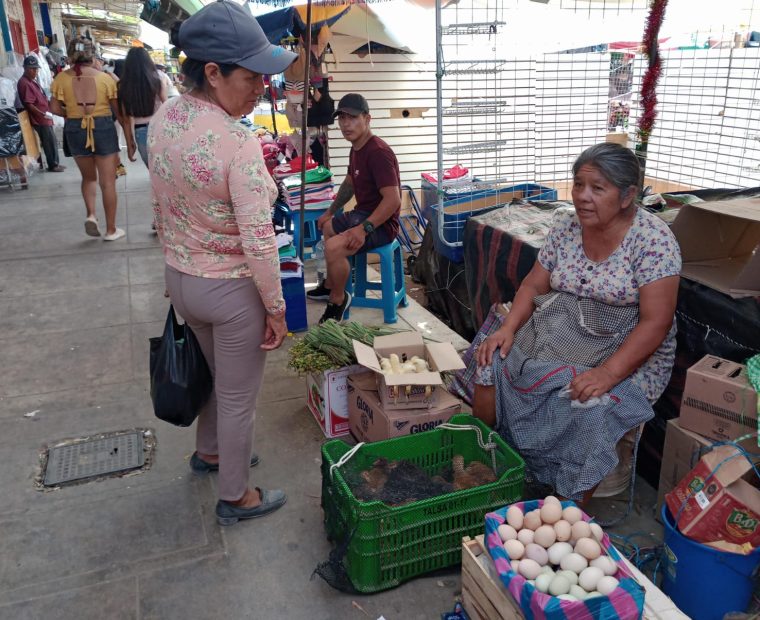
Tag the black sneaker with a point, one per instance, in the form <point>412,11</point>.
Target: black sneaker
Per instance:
<point>321,293</point>
<point>336,311</point>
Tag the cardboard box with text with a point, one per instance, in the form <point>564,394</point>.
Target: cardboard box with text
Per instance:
<point>327,399</point>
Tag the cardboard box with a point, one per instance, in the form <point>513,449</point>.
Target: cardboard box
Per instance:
<point>718,242</point>
<point>327,399</point>
<point>721,508</point>
<point>425,387</point>
<point>369,421</point>
<point>681,452</point>
<point>719,402</point>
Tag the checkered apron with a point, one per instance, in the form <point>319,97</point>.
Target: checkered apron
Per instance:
<point>568,448</point>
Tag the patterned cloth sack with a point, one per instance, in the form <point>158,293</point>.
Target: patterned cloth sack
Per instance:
<point>626,602</point>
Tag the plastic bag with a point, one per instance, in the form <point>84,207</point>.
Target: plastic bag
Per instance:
<point>180,379</point>
<point>11,139</point>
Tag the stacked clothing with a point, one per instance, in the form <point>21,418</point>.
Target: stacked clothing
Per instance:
<point>290,265</point>
<point>292,167</point>
<point>319,192</point>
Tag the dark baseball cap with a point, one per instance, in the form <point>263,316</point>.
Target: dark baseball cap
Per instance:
<point>353,104</point>
<point>31,61</point>
<point>226,33</point>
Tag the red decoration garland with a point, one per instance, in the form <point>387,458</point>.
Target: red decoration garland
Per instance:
<point>649,84</point>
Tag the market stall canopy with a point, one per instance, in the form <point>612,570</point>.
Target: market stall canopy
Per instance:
<point>163,13</point>
<point>378,23</point>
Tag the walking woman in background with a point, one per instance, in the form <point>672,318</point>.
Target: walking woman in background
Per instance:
<point>86,97</point>
<point>142,90</point>
<point>212,197</point>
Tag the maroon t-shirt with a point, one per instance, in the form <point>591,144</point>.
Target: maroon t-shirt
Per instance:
<point>30,92</point>
<point>372,167</point>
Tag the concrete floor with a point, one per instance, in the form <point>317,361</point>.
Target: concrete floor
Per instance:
<point>75,317</point>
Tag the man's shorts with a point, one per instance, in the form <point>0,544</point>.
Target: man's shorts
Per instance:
<point>381,235</point>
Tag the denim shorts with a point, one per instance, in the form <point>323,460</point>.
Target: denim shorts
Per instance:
<point>141,138</point>
<point>106,139</point>
<point>381,235</point>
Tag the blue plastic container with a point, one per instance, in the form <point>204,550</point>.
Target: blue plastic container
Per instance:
<point>705,583</point>
<point>453,223</point>
<point>294,292</point>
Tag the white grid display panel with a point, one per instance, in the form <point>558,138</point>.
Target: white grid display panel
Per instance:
<point>572,96</point>
<point>707,132</point>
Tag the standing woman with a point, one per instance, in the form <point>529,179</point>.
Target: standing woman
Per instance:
<point>212,198</point>
<point>86,97</point>
<point>141,93</point>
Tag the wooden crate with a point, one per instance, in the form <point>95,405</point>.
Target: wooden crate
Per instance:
<point>484,597</point>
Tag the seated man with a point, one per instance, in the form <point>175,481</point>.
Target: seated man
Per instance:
<point>373,178</point>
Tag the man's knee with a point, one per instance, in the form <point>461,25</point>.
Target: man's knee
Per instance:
<point>335,248</point>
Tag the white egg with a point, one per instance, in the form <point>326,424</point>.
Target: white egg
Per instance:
<point>567,597</point>
<point>532,520</point>
<point>529,569</point>
<point>573,562</point>
<point>515,565</point>
<point>543,581</point>
<point>572,514</point>
<point>606,563</point>
<point>545,536</point>
<point>548,570</point>
<point>515,549</point>
<point>563,530</point>
<point>577,592</point>
<point>515,517</point>
<point>559,585</point>
<point>558,551</point>
<point>580,529</point>
<point>525,536</point>
<point>537,553</point>
<point>588,548</point>
<point>507,532</point>
<point>597,532</point>
<point>550,499</point>
<point>551,513</point>
<point>593,594</point>
<point>606,585</point>
<point>589,578</point>
<point>571,576</point>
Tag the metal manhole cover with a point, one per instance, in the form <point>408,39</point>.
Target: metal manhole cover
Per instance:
<point>94,457</point>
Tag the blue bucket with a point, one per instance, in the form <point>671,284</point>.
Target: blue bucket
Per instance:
<point>704,582</point>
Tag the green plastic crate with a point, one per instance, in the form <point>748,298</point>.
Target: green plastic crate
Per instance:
<point>389,545</point>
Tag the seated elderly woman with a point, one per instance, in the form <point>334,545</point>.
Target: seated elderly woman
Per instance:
<point>589,342</point>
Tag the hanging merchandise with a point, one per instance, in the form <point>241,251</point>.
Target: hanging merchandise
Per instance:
<point>322,106</point>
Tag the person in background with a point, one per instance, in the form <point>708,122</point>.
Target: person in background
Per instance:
<point>212,198</point>
<point>101,64</point>
<point>142,90</point>
<point>373,178</point>
<point>86,98</point>
<point>171,88</point>
<point>36,104</point>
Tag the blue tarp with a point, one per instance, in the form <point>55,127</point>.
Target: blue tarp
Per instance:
<point>287,22</point>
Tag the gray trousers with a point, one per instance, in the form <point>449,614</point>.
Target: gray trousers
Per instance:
<point>49,144</point>
<point>228,318</point>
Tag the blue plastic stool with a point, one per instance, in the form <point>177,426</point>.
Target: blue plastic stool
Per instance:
<point>391,283</point>
<point>312,234</point>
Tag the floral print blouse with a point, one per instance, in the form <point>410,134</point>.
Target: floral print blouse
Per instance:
<point>212,196</point>
<point>649,252</point>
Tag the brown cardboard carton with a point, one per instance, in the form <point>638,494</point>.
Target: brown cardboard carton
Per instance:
<point>717,504</point>
<point>719,402</point>
<point>369,421</point>
<point>681,452</point>
<point>718,244</point>
<point>424,388</point>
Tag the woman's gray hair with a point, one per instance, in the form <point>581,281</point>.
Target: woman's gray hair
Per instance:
<point>618,164</point>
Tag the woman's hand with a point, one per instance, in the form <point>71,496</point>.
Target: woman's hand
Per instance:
<point>275,330</point>
<point>500,339</point>
<point>131,150</point>
<point>595,382</point>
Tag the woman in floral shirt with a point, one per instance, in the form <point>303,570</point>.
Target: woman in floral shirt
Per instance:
<point>602,294</point>
<point>212,196</point>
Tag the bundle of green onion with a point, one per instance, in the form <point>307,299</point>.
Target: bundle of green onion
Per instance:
<point>329,345</point>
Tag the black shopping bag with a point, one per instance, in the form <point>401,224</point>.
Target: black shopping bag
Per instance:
<point>180,379</point>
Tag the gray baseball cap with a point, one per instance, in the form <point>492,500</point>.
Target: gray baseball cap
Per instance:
<point>225,32</point>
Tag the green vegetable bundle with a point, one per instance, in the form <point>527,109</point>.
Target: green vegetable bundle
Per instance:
<point>329,345</point>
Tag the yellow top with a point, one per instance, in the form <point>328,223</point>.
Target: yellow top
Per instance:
<point>94,85</point>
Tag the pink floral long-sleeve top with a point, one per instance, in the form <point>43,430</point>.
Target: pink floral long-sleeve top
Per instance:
<point>212,196</point>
